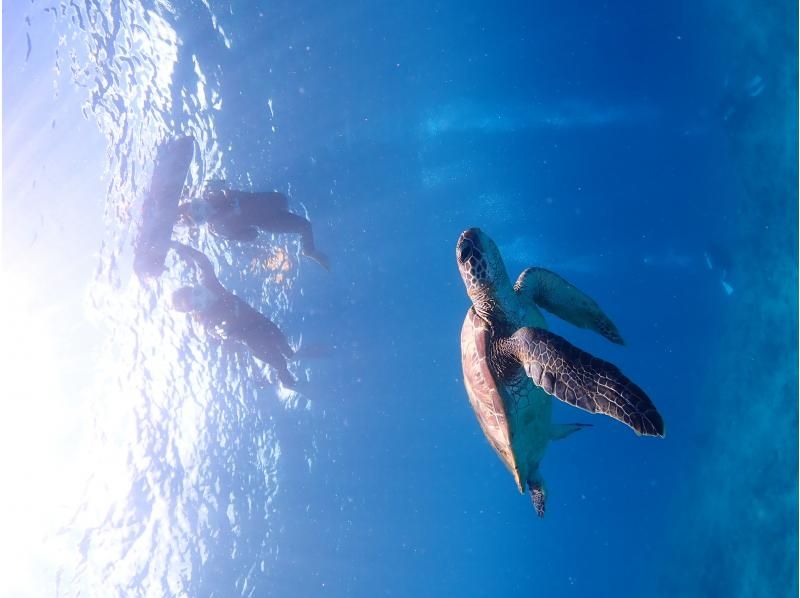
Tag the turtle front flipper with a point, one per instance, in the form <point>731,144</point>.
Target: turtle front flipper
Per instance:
<point>579,379</point>
<point>550,291</point>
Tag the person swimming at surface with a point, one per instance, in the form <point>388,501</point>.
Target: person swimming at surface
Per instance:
<point>240,215</point>
<point>227,317</point>
<point>718,259</point>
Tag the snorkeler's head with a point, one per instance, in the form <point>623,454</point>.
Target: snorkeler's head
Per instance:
<point>190,299</point>
<point>194,212</point>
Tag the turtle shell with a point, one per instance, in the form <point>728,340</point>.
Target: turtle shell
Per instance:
<point>486,396</point>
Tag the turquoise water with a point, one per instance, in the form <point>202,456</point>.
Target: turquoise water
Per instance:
<point>647,152</point>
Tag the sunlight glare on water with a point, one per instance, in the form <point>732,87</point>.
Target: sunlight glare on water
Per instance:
<point>156,487</point>
<point>32,441</point>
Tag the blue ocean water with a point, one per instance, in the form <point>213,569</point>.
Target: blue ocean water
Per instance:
<point>645,151</point>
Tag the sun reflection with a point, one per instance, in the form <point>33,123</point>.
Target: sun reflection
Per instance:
<point>277,264</point>
<point>40,431</point>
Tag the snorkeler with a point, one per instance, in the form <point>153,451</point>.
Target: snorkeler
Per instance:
<point>717,259</point>
<point>227,317</point>
<point>239,215</point>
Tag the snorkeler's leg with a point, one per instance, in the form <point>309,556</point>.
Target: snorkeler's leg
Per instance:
<point>279,364</point>
<point>286,222</point>
<point>233,230</point>
<point>271,200</point>
<point>268,344</point>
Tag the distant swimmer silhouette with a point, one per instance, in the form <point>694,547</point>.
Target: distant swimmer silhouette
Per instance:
<point>717,259</point>
<point>240,215</point>
<point>227,317</point>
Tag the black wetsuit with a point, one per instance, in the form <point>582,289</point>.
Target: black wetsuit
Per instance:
<point>231,318</point>
<point>238,216</point>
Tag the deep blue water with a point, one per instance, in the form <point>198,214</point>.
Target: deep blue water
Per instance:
<point>618,144</point>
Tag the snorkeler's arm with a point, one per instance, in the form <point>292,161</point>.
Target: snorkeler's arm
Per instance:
<point>208,276</point>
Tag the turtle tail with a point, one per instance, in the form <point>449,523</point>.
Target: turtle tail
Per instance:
<point>538,496</point>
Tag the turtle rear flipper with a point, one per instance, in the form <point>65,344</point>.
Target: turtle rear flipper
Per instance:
<point>579,379</point>
<point>550,291</point>
<point>538,496</point>
<point>561,431</point>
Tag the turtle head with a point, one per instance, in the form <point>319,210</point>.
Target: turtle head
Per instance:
<point>481,266</point>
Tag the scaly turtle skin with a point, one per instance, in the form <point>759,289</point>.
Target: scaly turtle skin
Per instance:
<point>511,363</point>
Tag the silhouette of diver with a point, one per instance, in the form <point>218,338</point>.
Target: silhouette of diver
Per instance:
<point>227,317</point>
<point>239,215</point>
<point>718,259</point>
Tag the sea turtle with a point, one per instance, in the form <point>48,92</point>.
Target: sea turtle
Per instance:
<point>511,363</point>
